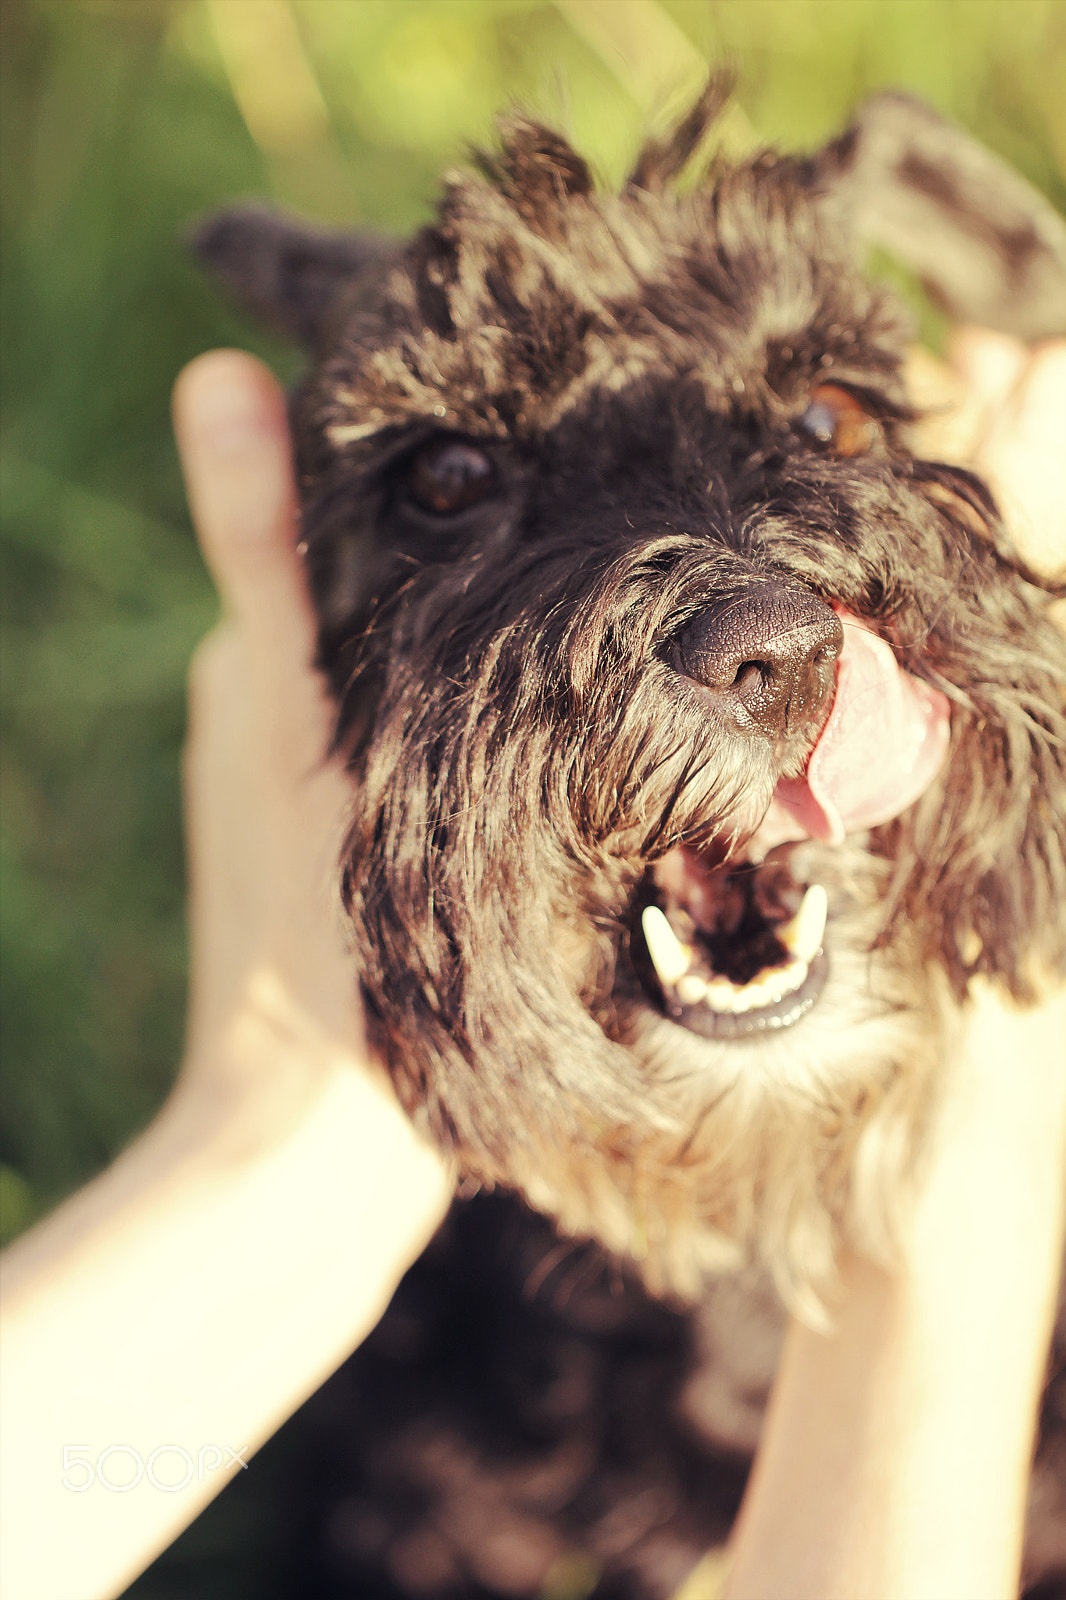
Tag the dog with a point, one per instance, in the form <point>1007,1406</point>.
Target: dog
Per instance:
<point>709,739</point>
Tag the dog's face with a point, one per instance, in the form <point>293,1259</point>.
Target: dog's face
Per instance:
<point>706,739</point>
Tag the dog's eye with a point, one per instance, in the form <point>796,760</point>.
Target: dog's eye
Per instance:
<point>447,475</point>
<point>835,418</point>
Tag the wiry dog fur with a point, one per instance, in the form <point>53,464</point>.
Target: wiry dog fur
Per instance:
<point>633,371</point>
<point>635,367</point>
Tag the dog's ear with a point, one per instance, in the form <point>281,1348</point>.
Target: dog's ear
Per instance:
<point>661,161</point>
<point>289,273</point>
<point>987,245</point>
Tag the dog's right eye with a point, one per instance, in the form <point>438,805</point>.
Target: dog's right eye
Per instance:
<point>448,475</point>
<point>837,419</point>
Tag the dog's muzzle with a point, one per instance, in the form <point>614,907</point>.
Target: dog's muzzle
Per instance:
<point>736,949</point>
<point>727,941</point>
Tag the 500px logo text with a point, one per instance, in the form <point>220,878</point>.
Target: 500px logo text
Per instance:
<point>169,1467</point>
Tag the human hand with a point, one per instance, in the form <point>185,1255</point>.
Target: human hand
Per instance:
<point>209,1280</point>
<point>1018,399</point>
<point>1000,407</point>
<point>274,1004</point>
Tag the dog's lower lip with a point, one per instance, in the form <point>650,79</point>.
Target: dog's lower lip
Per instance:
<point>709,1023</point>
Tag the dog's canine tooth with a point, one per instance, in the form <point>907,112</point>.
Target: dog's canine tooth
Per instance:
<point>802,934</point>
<point>670,958</point>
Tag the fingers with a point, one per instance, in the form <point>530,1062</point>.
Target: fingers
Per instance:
<point>1023,395</point>
<point>991,364</point>
<point>255,675</point>
<point>232,433</point>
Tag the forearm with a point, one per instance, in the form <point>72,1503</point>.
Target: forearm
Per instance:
<point>194,1296</point>
<point>897,1450</point>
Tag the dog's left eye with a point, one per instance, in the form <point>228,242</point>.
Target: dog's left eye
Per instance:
<point>836,419</point>
<point>448,475</point>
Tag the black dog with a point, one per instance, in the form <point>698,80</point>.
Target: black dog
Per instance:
<point>709,740</point>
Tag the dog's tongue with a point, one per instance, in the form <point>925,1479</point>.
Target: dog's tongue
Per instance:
<point>884,742</point>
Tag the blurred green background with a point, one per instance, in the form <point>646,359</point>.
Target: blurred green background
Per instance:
<point>121,120</point>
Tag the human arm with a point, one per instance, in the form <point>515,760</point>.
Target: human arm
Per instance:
<point>200,1289</point>
<point>896,1451</point>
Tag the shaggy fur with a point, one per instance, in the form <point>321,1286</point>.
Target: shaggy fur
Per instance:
<point>521,674</point>
<point>635,370</point>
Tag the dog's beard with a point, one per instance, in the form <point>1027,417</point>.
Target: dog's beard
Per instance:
<point>515,929</point>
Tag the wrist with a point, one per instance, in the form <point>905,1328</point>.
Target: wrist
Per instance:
<point>258,1063</point>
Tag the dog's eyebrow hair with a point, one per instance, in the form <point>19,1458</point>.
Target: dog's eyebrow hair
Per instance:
<point>339,433</point>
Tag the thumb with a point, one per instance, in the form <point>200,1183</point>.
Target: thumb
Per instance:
<point>233,440</point>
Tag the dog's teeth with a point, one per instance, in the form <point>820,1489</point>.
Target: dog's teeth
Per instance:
<point>674,961</point>
<point>780,981</point>
<point>748,997</point>
<point>802,934</point>
<point>691,989</point>
<point>720,994</point>
<point>670,958</point>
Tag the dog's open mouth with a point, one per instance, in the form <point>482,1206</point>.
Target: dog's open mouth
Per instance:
<point>733,948</point>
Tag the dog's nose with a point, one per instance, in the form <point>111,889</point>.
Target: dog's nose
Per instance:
<point>769,656</point>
